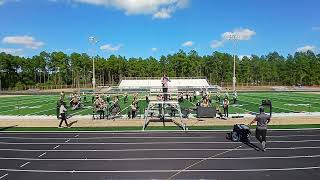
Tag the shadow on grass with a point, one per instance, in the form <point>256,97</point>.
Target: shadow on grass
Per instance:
<point>73,122</point>
<point>5,128</point>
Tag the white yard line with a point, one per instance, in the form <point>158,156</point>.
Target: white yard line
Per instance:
<point>31,100</point>
<point>40,111</point>
<point>272,105</point>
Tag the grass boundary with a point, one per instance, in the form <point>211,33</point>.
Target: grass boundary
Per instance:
<point>150,129</point>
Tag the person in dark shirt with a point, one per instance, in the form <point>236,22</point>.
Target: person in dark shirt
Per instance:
<point>226,107</point>
<point>262,120</point>
<point>165,81</point>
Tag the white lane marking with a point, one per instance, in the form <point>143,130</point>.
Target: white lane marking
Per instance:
<point>67,140</point>
<point>147,132</point>
<point>25,164</point>
<point>136,150</point>
<point>155,143</point>
<point>199,162</point>
<point>151,159</point>
<point>161,171</point>
<point>149,137</point>
<point>56,146</point>
<point>42,154</point>
<point>4,176</point>
<point>127,137</point>
<point>296,135</point>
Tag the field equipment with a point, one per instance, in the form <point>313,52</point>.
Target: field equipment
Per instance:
<point>240,132</point>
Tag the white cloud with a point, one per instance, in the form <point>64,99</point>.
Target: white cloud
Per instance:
<point>110,47</point>
<point>187,44</point>
<point>5,1</point>
<point>154,49</point>
<point>216,44</point>
<point>316,28</point>
<point>306,48</point>
<point>242,56</point>
<point>27,41</point>
<point>159,9</point>
<point>240,34</point>
<point>162,14</point>
<point>16,52</point>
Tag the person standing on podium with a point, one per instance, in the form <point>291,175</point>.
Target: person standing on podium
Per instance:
<point>165,80</point>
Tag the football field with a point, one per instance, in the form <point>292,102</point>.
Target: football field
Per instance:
<point>282,102</point>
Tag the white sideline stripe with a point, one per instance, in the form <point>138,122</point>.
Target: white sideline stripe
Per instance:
<point>150,159</point>
<point>24,164</point>
<point>127,137</point>
<point>151,143</point>
<point>42,154</point>
<point>56,147</point>
<point>137,150</point>
<point>160,171</point>
<point>4,176</point>
<point>146,132</point>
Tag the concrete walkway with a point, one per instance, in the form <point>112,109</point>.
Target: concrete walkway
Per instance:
<point>88,122</point>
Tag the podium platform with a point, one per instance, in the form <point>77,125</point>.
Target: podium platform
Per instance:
<point>162,107</point>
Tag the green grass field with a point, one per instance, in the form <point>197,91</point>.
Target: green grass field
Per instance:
<point>283,102</point>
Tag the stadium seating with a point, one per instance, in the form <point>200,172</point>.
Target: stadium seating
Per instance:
<point>157,83</point>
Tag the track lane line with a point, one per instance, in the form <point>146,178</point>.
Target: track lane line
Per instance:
<point>137,150</point>
<point>161,171</point>
<point>149,131</point>
<point>154,143</point>
<point>144,137</point>
<point>152,159</point>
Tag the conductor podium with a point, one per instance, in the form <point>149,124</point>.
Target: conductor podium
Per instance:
<point>163,107</point>
<point>164,111</point>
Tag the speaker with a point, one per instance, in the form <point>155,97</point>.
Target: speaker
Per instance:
<point>206,112</point>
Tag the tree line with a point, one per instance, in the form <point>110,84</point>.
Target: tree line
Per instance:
<point>58,68</point>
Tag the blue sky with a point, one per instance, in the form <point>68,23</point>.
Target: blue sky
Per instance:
<point>142,28</point>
